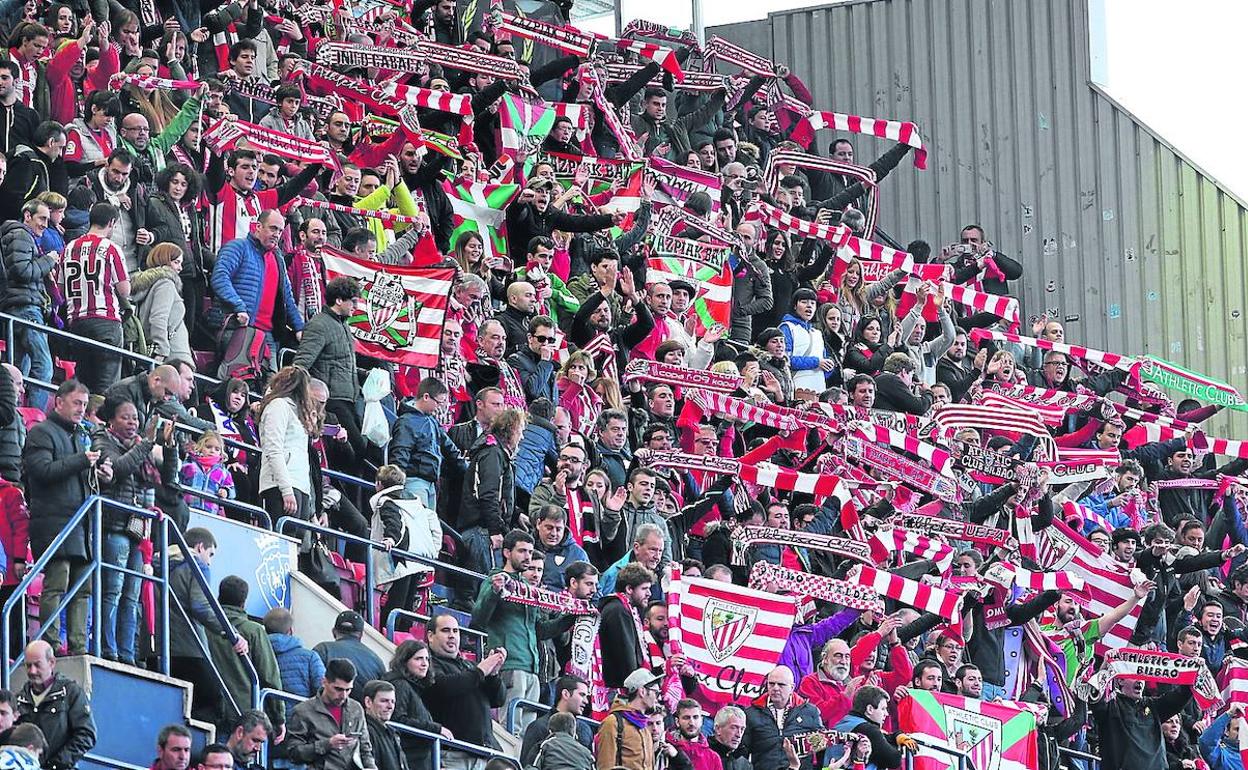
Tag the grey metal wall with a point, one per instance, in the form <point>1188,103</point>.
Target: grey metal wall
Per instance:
<point>1138,249</point>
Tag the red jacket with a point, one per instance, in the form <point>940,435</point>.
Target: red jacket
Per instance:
<point>698,750</point>
<point>14,529</point>
<point>828,696</point>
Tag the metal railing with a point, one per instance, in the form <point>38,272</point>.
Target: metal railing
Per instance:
<point>437,739</point>
<point>479,637</point>
<point>255,512</point>
<point>963,759</point>
<point>165,534</point>
<point>117,764</point>
<point>520,704</point>
<point>370,586</point>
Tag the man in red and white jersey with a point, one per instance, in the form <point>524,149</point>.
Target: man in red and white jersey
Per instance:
<point>238,204</point>
<point>92,278</point>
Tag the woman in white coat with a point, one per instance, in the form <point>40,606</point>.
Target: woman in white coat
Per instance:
<point>403,522</point>
<point>289,418</point>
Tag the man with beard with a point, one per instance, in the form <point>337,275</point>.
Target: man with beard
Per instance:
<point>462,693</point>
<point>18,120</point>
<point>623,649</point>
<point>441,17</point>
<point>114,184</point>
<point>595,331</point>
<point>329,729</point>
<point>585,515</point>
<point>1077,640</point>
<point>237,205</point>
<point>307,271</point>
<point>956,369</point>
<point>491,370</point>
<point>968,681</point>
<point>560,138</point>
<point>423,179</point>
<point>827,687</point>
<point>688,737</point>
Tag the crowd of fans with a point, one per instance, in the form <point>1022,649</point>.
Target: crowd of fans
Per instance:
<point>524,454</point>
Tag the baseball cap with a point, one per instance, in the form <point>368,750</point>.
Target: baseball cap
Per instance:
<point>349,622</point>
<point>640,678</point>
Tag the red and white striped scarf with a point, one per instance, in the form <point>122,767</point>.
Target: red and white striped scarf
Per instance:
<point>1108,360</point>
<point>744,537</point>
<point>384,216</point>
<point>643,28</point>
<point>897,130</point>
<point>225,134</point>
<point>741,410</point>
<point>1005,308</point>
<point>922,597</point>
<point>765,576</point>
<point>595,81</point>
<point>665,57</point>
<point>602,350</point>
<point>774,217</point>
<point>956,530</point>
<point>762,474</point>
<point>1007,575</point>
<point>1050,415</point>
<point>579,505</point>
<point>888,542</point>
<point>720,49</point>
<point>939,459</point>
<point>563,38</point>
<point>953,417</point>
<point>517,591</point>
<point>1044,398</point>
<point>411,59</point>
<point>152,82</point>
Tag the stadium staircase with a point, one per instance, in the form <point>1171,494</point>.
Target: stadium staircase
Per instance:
<point>131,705</point>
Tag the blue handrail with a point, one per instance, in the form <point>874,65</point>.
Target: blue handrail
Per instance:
<point>520,704</point>
<point>369,580</point>
<point>253,510</point>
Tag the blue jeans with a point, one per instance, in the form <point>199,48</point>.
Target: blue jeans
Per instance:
<point>31,354</point>
<point>121,596</point>
<point>423,491</point>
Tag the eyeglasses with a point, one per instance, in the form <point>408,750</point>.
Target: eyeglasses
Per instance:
<point>570,459</point>
<point>542,338</point>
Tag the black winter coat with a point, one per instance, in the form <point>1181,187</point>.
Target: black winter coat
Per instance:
<point>64,718</point>
<point>460,698</point>
<point>892,395</point>
<point>327,351</point>
<point>409,709</point>
<point>488,498</point>
<point>30,173</point>
<point>525,222</point>
<point>622,651</point>
<point>165,224</point>
<point>56,469</point>
<point>12,433</point>
<point>766,739</point>
<point>1130,730</point>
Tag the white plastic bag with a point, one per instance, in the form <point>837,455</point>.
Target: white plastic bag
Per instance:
<point>376,387</point>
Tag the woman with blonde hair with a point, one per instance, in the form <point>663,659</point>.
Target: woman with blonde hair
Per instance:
<point>857,298</point>
<point>289,418</point>
<point>576,392</point>
<point>157,293</point>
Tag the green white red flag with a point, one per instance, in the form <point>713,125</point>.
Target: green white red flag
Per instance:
<point>713,285</point>
<point>480,208</point>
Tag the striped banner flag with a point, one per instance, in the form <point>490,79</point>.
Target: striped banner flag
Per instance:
<point>713,301</point>
<point>732,636</point>
<point>480,208</point>
<point>998,735</point>
<point>922,597</point>
<point>953,417</point>
<point>1051,415</point>
<point>674,183</point>
<point>941,460</point>
<point>401,310</point>
<point>1107,584</point>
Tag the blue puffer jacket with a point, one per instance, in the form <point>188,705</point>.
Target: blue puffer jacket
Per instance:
<point>239,275</point>
<point>302,669</point>
<point>536,451</point>
<point>25,268</point>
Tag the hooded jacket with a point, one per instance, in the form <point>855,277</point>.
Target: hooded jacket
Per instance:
<point>489,487</point>
<point>300,668</point>
<point>158,294</point>
<point>765,738</point>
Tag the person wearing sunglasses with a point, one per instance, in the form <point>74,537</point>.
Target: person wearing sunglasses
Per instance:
<point>534,362</point>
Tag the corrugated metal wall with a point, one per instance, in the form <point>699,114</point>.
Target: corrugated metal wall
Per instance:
<point>1138,249</point>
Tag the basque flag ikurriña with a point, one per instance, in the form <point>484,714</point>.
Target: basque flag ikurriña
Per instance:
<point>996,736</point>
<point>732,636</point>
<point>401,310</point>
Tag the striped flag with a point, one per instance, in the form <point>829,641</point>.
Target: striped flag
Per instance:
<point>674,183</point>
<point>480,208</point>
<point>1005,308</point>
<point>524,123</point>
<point>1051,415</point>
<point>1007,575</point>
<point>953,417</point>
<point>941,460</point>
<point>401,310</point>
<point>1108,585</point>
<point>999,735</point>
<point>713,302</point>
<point>732,636</point>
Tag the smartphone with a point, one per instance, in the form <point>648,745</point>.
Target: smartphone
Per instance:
<point>331,431</point>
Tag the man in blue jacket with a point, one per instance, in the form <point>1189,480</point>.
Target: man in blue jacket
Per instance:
<point>420,444</point>
<point>251,284</point>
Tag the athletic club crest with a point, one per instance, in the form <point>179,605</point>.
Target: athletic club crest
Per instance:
<point>726,626</point>
<point>977,735</point>
<point>389,314</point>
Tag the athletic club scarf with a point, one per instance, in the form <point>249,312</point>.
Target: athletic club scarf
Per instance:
<point>762,474</point>
<point>585,660</point>
<point>563,38</point>
<point>923,598</point>
<point>1154,668</point>
<point>643,28</point>
<point>1050,415</point>
<point>1108,360</point>
<point>901,468</point>
<point>602,350</point>
<point>1047,397</point>
<point>957,530</point>
<point>1190,383</point>
<point>384,216</point>
<point>745,537</point>
<point>1074,465</point>
<point>896,130</point>
<point>594,81</point>
<point>720,49</point>
<point>952,418</point>
<point>891,541</point>
<point>580,506</point>
<point>1005,308</point>
<point>679,221</point>
<point>741,410</point>
<point>152,83</point>
<point>694,82</point>
<point>774,217</point>
<point>858,745</point>
<point>1008,575</point>
<point>939,459</point>
<point>679,376</point>
<point>765,576</point>
<point>674,183</point>
<point>225,134</point>
<point>559,602</point>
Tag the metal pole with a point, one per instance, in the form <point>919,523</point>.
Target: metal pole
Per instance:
<point>619,27</point>
<point>97,582</point>
<point>698,31</point>
<point>165,662</point>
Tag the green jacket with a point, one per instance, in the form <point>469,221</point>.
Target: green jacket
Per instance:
<point>234,672</point>
<point>510,625</point>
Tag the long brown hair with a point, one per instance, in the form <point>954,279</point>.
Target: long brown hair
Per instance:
<point>292,382</point>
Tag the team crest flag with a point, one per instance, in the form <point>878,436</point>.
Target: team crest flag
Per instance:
<point>996,736</point>
<point>732,636</point>
<point>713,301</point>
<point>401,310</point>
<point>480,208</point>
